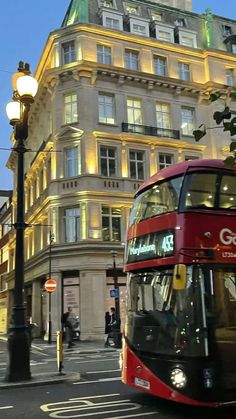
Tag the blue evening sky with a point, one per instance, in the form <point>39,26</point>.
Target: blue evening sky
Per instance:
<point>23,32</point>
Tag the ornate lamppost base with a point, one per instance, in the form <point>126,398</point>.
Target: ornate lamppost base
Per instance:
<point>19,355</point>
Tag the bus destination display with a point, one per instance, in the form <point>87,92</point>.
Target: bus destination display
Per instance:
<point>150,246</point>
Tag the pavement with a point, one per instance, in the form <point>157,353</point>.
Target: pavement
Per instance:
<point>39,345</point>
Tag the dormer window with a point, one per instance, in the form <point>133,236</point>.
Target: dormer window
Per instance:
<point>139,26</point>
<point>180,22</point>
<point>227,30</point>
<point>112,23</point>
<point>163,31</point>
<point>112,19</point>
<point>108,3</point>
<point>139,29</point>
<point>131,9</point>
<point>186,37</point>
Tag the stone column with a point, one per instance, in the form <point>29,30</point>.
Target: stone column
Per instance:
<point>92,304</point>
<point>36,304</point>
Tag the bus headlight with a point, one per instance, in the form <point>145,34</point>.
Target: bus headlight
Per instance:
<point>178,378</point>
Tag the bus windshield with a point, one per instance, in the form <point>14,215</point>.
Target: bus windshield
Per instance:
<point>160,199</point>
<point>200,189</point>
<point>189,322</point>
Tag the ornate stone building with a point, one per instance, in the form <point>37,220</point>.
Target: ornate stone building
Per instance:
<point>122,85</point>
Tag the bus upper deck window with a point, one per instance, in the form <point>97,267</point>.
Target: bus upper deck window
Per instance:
<point>228,192</point>
<point>201,190</point>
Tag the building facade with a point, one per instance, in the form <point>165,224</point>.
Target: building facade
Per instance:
<point>122,86</point>
<point>5,232</point>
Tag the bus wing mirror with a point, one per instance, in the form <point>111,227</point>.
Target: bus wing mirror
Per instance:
<point>180,277</point>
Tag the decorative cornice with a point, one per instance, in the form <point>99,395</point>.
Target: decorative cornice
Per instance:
<point>150,140</point>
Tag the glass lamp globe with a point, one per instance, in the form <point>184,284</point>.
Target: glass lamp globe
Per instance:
<point>13,112</point>
<point>27,87</point>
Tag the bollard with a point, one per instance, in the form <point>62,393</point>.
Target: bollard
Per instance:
<point>59,352</point>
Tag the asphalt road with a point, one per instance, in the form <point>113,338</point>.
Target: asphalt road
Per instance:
<point>98,395</point>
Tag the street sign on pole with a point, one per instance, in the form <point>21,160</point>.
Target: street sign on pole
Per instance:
<point>114,293</point>
<point>50,285</point>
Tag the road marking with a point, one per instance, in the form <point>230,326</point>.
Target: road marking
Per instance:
<point>6,407</point>
<point>98,381</point>
<point>100,372</point>
<point>97,360</point>
<point>35,363</point>
<point>95,356</point>
<point>78,408</point>
<point>96,397</point>
<point>134,416</point>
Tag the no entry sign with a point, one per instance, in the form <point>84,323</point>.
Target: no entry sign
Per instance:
<point>50,285</point>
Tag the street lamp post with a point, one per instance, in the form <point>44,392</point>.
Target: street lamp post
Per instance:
<point>115,275</point>
<point>51,239</point>
<point>18,338</point>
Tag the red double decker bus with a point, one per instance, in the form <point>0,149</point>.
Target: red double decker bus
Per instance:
<point>180,332</point>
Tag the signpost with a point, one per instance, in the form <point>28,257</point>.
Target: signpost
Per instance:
<point>50,286</point>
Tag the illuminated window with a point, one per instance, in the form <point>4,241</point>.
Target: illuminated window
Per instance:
<point>184,71</point>
<point>5,228</point>
<point>106,109</point>
<point>132,9</point>
<point>136,164</point>
<point>165,160</point>
<point>71,161</point>
<point>229,73</point>
<point>163,115</point>
<point>41,183</point>
<point>49,169</point>
<point>131,60</point>
<point>160,68</point>
<point>103,54</point>
<point>187,158</point>
<point>187,121</point>
<point>68,52</point>
<point>134,111</point>
<point>155,16</point>
<point>70,108</point>
<point>180,22</point>
<point>108,3</point>
<point>108,161</point>
<point>35,189</point>
<point>72,225</point>
<point>111,225</point>
<point>29,198</point>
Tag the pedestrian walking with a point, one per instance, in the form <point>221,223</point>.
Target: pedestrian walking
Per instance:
<point>114,332</point>
<point>107,328</point>
<point>67,321</point>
